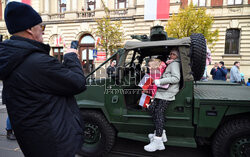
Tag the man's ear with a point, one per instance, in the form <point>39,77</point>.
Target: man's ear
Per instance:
<point>29,31</point>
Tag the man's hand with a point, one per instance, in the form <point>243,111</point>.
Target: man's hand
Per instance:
<point>70,50</point>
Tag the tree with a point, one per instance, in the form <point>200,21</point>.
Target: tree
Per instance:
<point>109,32</point>
<point>192,20</point>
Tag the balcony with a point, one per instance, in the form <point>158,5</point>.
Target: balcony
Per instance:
<point>84,14</point>
<point>118,12</point>
<point>56,16</point>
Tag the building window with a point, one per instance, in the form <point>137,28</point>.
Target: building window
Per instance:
<point>62,5</point>
<point>215,3</point>
<point>91,5</point>
<point>199,3</point>
<point>58,53</point>
<point>234,2</point>
<point>232,41</point>
<point>121,4</point>
<point>87,40</point>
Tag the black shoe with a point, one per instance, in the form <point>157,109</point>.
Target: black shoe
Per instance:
<point>10,135</point>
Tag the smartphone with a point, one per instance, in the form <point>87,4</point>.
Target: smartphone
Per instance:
<point>74,44</point>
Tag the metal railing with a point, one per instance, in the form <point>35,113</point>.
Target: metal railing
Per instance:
<point>86,14</point>
<point>57,16</point>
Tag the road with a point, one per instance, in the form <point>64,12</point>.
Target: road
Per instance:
<point>122,148</point>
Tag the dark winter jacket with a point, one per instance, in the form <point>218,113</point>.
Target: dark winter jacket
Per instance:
<point>219,73</point>
<point>111,71</point>
<point>39,95</point>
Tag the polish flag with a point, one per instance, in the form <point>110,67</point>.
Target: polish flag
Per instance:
<point>145,82</point>
<point>23,1</point>
<point>156,9</point>
<point>58,40</point>
<point>145,99</point>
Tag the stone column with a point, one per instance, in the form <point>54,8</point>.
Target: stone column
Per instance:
<point>68,5</point>
<point>46,6</point>
<point>74,5</point>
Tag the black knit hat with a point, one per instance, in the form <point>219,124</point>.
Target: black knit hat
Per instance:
<point>19,17</point>
<point>221,62</point>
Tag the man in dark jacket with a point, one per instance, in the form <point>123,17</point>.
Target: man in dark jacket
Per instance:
<point>111,69</point>
<point>38,90</point>
<point>219,72</point>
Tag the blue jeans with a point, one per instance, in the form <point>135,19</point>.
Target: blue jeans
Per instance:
<point>8,125</point>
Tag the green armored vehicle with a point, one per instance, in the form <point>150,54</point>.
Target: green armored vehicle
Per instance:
<point>215,113</point>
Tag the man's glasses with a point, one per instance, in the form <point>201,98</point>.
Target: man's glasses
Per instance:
<point>43,27</point>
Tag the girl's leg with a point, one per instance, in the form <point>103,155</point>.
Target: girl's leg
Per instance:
<point>159,116</point>
<point>152,109</point>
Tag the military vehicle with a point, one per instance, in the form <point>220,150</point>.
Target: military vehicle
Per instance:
<point>213,112</point>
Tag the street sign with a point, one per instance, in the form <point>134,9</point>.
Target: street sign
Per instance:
<point>94,53</point>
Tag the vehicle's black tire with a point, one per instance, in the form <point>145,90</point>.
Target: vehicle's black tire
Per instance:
<point>99,135</point>
<point>232,138</point>
<point>198,55</point>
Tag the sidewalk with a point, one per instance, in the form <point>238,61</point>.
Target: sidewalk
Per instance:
<point>7,148</point>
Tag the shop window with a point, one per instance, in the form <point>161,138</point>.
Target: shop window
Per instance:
<point>121,4</point>
<point>62,5</point>
<point>58,53</point>
<point>234,2</point>
<point>91,5</point>
<point>232,41</point>
<point>199,3</point>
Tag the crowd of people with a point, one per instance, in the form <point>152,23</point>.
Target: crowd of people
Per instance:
<point>220,72</point>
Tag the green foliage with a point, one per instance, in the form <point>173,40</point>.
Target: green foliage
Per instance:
<point>192,20</point>
<point>109,32</point>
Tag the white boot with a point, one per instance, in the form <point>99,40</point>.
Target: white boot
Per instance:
<point>156,144</point>
<point>164,136</point>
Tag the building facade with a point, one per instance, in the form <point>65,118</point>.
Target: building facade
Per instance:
<point>68,20</point>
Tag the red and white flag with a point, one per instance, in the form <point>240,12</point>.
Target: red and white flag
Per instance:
<point>145,99</point>
<point>145,82</point>
<point>156,9</point>
<point>23,1</point>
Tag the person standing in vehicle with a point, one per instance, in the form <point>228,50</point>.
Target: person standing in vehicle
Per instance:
<point>161,100</point>
<point>38,90</point>
<point>111,68</point>
<point>219,73</point>
<point>235,76</point>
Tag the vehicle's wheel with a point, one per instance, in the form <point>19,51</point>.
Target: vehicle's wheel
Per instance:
<point>198,55</point>
<point>99,135</point>
<point>233,139</point>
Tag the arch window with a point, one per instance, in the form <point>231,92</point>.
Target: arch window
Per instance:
<point>87,40</point>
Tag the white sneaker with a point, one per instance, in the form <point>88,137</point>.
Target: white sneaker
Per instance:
<point>164,136</point>
<point>156,144</point>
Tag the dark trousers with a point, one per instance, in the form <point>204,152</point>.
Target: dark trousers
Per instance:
<point>157,109</point>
